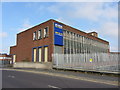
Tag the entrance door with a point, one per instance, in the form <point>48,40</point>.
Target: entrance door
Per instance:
<point>40,56</point>
<point>46,54</point>
<point>34,54</point>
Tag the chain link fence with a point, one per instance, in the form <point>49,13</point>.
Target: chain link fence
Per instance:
<point>93,61</point>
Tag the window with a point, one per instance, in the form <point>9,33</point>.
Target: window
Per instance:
<point>14,58</point>
<point>64,31</point>
<point>34,36</point>
<point>46,32</point>
<point>39,34</point>
<point>34,54</point>
<point>40,54</point>
<point>46,54</point>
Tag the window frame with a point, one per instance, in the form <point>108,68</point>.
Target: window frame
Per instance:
<point>47,34</point>
<point>40,34</point>
<point>35,35</point>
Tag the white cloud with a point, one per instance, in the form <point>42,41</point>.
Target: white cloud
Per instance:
<point>26,24</point>
<point>55,8</point>
<point>110,12</point>
<point>63,20</point>
<point>109,29</point>
<point>90,11</point>
<point>102,13</point>
<point>94,11</point>
<point>3,34</point>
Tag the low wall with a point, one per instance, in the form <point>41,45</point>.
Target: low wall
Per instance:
<point>47,65</point>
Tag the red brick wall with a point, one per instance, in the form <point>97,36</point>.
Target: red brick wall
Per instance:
<point>13,50</point>
<point>25,42</point>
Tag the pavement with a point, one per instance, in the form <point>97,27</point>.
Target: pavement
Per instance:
<point>40,78</point>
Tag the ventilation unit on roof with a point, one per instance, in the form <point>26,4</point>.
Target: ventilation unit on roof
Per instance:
<point>95,34</point>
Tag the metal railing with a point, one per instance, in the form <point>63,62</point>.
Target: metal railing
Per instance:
<point>87,61</point>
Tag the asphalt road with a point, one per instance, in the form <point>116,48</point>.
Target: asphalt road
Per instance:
<point>17,79</point>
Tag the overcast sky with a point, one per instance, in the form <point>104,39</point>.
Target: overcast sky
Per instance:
<point>101,17</point>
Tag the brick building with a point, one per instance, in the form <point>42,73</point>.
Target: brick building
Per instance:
<point>37,44</point>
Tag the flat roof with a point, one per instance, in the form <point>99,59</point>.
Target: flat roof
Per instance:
<point>87,34</point>
<point>81,31</point>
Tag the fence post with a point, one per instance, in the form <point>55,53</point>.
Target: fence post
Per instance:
<point>57,60</point>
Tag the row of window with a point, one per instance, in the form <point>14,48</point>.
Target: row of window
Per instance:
<point>39,34</point>
<point>82,39</point>
<point>38,54</point>
<point>73,47</point>
<point>75,43</point>
<point>5,58</point>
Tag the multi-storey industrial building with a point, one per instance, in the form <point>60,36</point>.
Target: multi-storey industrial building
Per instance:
<point>37,44</point>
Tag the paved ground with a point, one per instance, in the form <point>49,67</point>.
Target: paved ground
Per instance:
<point>20,79</point>
<point>79,74</point>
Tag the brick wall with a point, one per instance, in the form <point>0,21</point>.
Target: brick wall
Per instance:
<point>25,42</point>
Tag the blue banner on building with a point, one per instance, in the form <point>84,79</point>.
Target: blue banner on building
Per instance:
<point>58,34</point>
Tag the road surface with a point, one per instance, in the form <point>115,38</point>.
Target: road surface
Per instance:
<point>18,79</point>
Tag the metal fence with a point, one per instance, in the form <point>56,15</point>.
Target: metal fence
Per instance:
<point>86,61</point>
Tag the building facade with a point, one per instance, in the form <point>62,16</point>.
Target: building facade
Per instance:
<point>5,59</point>
<point>37,44</point>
